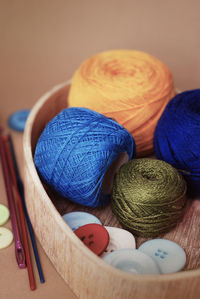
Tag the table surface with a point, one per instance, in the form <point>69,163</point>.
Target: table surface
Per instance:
<point>43,42</point>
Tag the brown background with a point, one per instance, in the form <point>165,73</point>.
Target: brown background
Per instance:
<point>42,43</point>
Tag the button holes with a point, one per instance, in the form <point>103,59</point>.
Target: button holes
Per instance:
<point>159,250</point>
<point>164,252</point>
<point>83,238</point>
<point>90,243</point>
<point>162,256</point>
<point>90,236</point>
<point>156,254</point>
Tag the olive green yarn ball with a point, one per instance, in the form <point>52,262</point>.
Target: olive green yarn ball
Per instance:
<point>148,197</point>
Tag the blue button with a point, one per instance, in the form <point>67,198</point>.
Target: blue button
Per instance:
<point>133,261</point>
<point>18,119</point>
<point>78,219</point>
<point>169,256</point>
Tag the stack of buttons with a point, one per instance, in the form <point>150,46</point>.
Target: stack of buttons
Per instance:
<point>118,247</point>
<point>157,256</point>
<point>100,239</point>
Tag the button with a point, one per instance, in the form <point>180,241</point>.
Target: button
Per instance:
<point>6,237</point>
<point>119,238</point>
<point>18,119</point>
<point>4,214</point>
<point>169,256</point>
<point>94,236</point>
<point>78,219</point>
<point>133,261</point>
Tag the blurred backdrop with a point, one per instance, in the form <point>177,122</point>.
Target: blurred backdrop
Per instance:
<point>42,42</point>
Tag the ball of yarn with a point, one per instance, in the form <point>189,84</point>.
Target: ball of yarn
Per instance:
<point>148,197</point>
<point>177,137</point>
<point>130,86</point>
<point>75,150</point>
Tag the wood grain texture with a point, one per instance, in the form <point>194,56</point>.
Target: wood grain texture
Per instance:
<point>87,274</point>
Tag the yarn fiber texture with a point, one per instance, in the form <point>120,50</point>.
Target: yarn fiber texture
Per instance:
<point>177,137</point>
<point>129,86</point>
<point>75,150</point>
<point>148,197</point>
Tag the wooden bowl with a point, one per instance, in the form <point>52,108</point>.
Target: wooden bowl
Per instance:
<point>86,274</point>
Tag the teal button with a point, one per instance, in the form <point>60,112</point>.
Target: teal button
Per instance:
<point>169,256</point>
<point>133,261</point>
<point>78,219</point>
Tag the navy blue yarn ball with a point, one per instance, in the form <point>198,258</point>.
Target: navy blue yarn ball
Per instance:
<point>177,137</point>
<point>75,150</point>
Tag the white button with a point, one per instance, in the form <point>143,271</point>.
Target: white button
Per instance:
<point>169,256</point>
<point>4,214</point>
<point>78,219</point>
<point>133,261</point>
<point>6,237</point>
<point>119,238</point>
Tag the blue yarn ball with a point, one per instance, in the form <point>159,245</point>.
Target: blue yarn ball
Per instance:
<point>75,150</point>
<point>177,137</point>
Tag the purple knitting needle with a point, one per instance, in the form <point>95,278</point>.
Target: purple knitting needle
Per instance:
<point>19,250</point>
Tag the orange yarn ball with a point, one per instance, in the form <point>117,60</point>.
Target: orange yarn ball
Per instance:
<point>130,86</point>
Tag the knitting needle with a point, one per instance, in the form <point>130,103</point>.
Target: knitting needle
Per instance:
<point>19,250</point>
<point>21,214</point>
<point>21,191</point>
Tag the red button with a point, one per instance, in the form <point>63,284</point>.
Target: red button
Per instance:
<point>94,236</point>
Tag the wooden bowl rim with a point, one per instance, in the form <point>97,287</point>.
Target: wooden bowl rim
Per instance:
<point>58,218</point>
